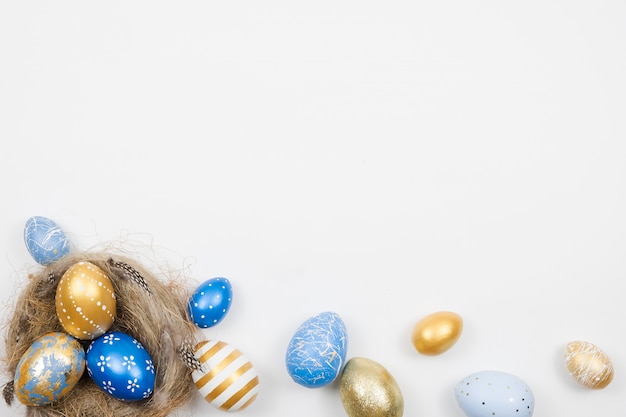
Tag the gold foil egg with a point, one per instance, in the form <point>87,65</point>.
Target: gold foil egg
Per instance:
<point>588,364</point>
<point>367,389</point>
<point>85,301</point>
<point>437,332</point>
<point>49,369</point>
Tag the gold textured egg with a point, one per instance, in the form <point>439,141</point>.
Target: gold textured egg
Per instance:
<point>85,301</point>
<point>437,332</point>
<point>588,364</point>
<point>367,389</point>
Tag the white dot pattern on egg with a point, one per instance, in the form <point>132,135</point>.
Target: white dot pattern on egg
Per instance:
<point>226,379</point>
<point>85,301</point>
<point>494,394</point>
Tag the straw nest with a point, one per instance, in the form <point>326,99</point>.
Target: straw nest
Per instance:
<point>148,308</point>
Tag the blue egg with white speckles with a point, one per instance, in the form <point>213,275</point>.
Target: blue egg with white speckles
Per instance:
<point>317,350</point>
<point>210,302</point>
<point>45,240</point>
<point>120,366</point>
<point>494,393</point>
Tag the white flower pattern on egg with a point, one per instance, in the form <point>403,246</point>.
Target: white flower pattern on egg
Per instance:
<point>121,367</point>
<point>108,387</point>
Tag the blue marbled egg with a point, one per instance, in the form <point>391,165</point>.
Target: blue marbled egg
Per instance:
<point>494,393</point>
<point>210,302</point>
<point>317,351</point>
<point>49,369</point>
<point>45,240</point>
<point>121,366</point>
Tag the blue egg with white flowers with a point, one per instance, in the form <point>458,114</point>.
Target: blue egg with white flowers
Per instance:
<point>45,240</point>
<point>210,302</point>
<point>316,353</point>
<point>120,366</point>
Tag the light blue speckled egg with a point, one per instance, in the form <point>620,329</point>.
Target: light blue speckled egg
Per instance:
<point>494,393</point>
<point>317,351</point>
<point>45,240</point>
<point>210,302</point>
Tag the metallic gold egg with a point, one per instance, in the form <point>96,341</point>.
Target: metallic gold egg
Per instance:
<point>367,389</point>
<point>85,301</point>
<point>588,364</point>
<point>437,332</point>
<point>49,369</point>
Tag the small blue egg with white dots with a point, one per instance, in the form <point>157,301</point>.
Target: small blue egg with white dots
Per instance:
<point>210,302</point>
<point>45,240</point>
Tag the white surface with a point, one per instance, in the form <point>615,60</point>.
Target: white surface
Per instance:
<point>384,160</point>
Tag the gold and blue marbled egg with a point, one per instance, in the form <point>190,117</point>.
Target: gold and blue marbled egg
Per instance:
<point>226,377</point>
<point>85,301</point>
<point>49,369</point>
<point>45,240</point>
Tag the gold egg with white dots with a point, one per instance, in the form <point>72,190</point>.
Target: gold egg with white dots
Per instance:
<point>85,301</point>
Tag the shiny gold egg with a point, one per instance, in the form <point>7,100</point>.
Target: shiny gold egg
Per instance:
<point>367,389</point>
<point>437,332</point>
<point>85,301</point>
<point>588,364</point>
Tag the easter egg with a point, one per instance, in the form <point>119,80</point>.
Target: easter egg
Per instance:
<point>437,332</point>
<point>85,301</point>
<point>120,366</point>
<point>367,389</point>
<point>210,302</point>
<point>49,369</point>
<point>45,240</point>
<point>494,393</point>
<point>317,350</point>
<point>588,364</point>
<point>226,378</point>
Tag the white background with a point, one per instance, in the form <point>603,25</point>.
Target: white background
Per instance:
<point>384,160</point>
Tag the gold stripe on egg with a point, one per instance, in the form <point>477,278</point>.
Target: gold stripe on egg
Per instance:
<point>247,403</point>
<point>241,393</point>
<point>212,351</point>
<point>218,390</point>
<point>232,356</point>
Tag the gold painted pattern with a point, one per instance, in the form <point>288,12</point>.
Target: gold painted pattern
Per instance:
<point>588,364</point>
<point>227,379</point>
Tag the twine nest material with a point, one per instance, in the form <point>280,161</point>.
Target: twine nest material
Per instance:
<point>154,313</point>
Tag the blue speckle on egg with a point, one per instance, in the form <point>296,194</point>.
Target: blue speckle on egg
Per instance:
<point>45,240</point>
<point>494,393</point>
<point>210,302</point>
<point>317,351</point>
<point>121,366</point>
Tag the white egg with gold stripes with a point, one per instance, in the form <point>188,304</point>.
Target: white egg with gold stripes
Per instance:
<point>226,378</point>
